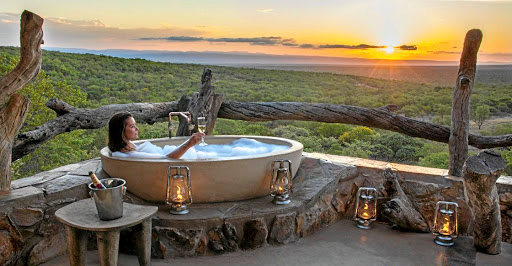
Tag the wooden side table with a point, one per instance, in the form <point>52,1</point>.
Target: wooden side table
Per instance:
<point>81,216</point>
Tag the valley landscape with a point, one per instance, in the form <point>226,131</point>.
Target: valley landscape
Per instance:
<point>90,81</point>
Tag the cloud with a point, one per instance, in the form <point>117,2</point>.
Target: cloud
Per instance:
<point>344,46</point>
<point>63,32</point>
<point>497,56</point>
<point>407,47</point>
<point>253,41</point>
<point>9,18</point>
<point>264,11</point>
<point>77,23</point>
<point>10,15</point>
<point>444,52</point>
<point>274,41</point>
<point>306,45</point>
<point>176,38</point>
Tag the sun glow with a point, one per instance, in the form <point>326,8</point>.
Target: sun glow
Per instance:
<point>389,49</point>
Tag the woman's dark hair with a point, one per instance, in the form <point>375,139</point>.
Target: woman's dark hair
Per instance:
<point>116,139</point>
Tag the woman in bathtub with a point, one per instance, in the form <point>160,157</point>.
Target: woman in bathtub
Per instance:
<point>122,130</point>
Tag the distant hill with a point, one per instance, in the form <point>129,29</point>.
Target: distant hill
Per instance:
<point>244,58</point>
<point>436,75</point>
<point>442,73</point>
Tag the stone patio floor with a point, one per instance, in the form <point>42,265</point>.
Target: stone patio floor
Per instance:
<point>340,244</point>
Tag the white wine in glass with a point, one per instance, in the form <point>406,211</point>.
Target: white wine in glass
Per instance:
<point>201,126</point>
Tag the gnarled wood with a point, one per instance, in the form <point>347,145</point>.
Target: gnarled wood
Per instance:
<point>203,103</point>
<point>480,174</point>
<point>458,142</point>
<point>371,117</point>
<point>11,120</point>
<point>329,113</point>
<point>13,106</point>
<point>79,118</point>
<point>400,210</point>
<point>31,38</point>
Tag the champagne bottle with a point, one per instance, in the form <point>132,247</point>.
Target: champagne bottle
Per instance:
<point>96,181</point>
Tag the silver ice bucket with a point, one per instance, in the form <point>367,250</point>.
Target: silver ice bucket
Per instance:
<point>109,201</point>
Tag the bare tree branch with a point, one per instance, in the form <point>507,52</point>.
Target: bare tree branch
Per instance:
<point>14,106</point>
<point>77,118</point>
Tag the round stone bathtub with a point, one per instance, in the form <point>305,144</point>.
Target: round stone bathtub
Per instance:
<point>213,180</point>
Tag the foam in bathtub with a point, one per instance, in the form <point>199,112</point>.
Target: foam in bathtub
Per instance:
<point>239,147</point>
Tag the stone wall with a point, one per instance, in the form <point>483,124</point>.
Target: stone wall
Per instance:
<point>29,232</point>
<point>324,189</point>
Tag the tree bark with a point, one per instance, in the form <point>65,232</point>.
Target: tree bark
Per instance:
<point>13,106</point>
<point>262,111</point>
<point>31,38</point>
<point>480,174</point>
<point>203,103</point>
<point>12,117</point>
<point>371,117</point>
<point>78,118</point>
<point>400,210</point>
<point>458,142</point>
<point>184,125</point>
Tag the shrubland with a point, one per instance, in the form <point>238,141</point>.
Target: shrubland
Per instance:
<point>90,81</point>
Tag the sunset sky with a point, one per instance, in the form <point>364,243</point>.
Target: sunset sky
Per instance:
<point>388,29</point>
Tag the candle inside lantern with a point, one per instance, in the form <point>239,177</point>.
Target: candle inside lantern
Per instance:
<point>365,214</point>
<point>366,207</point>
<point>178,190</point>
<point>446,227</point>
<point>179,197</point>
<point>445,223</point>
<point>281,183</point>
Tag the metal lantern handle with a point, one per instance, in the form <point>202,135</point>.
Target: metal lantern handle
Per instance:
<point>282,162</point>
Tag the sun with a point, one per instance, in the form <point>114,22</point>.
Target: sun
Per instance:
<point>389,49</point>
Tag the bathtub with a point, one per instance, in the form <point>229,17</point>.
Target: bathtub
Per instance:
<point>212,180</point>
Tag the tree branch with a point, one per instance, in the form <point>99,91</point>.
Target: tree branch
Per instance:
<point>30,56</point>
<point>14,106</point>
<point>261,111</point>
<point>72,118</point>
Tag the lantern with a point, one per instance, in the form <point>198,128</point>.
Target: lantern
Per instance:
<point>179,191</point>
<point>445,226</point>
<point>366,207</point>
<point>281,184</point>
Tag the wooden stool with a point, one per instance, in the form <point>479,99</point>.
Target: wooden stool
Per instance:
<point>81,216</point>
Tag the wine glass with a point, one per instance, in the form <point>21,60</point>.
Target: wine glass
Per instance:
<point>201,126</point>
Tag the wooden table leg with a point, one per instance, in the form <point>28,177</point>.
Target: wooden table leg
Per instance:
<point>108,247</point>
<point>77,245</point>
<point>143,241</point>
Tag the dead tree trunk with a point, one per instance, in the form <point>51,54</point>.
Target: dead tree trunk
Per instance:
<point>460,103</point>
<point>400,210</point>
<point>480,174</point>
<point>13,106</point>
<point>203,103</point>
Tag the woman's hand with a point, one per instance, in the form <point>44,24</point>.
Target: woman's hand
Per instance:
<point>196,138</point>
<point>180,150</point>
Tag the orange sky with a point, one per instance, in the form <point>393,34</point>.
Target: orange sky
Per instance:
<point>388,29</point>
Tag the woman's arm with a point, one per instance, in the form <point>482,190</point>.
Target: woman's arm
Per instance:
<point>180,150</point>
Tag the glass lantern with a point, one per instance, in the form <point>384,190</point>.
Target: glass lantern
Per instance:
<point>179,191</point>
<point>281,184</point>
<point>366,207</point>
<point>445,226</point>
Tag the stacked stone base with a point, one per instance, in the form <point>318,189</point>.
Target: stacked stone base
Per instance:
<point>324,190</point>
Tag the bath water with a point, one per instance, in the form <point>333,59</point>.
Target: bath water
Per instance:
<point>240,147</point>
